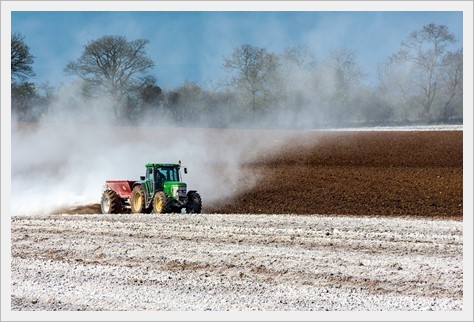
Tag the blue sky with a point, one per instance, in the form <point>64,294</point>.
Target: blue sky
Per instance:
<point>191,45</point>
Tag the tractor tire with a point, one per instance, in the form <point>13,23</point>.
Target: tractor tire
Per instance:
<point>194,204</point>
<point>110,202</point>
<point>137,200</point>
<point>160,203</point>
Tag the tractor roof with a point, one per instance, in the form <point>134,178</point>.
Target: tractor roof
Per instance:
<point>153,164</point>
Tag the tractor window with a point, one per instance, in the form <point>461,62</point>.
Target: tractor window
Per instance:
<point>160,176</point>
<point>169,173</point>
<point>149,173</point>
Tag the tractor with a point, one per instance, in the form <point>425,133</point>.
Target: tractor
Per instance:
<point>159,191</point>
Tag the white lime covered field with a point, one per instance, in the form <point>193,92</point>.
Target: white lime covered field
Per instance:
<point>181,262</point>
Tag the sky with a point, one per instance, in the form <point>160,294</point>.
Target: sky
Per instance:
<point>191,45</point>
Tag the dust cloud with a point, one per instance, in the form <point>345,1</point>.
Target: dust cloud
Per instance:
<point>64,160</point>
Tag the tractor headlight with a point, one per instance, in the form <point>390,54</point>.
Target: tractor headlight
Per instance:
<point>179,192</point>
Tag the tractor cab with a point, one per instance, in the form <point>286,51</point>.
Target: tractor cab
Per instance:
<point>164,177</point>
<point>159,173</point>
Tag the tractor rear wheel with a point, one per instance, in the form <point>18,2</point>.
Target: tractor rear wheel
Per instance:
<point>110,202</point>
<point>160,203</point>
<point>194,204</point>
<point>137,201</point>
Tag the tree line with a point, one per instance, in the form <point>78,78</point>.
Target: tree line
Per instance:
<point>420,83</point>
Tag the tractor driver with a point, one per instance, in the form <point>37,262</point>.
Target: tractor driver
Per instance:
<point>160,177</point>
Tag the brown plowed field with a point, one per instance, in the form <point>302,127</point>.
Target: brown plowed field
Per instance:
<point>358,173</point>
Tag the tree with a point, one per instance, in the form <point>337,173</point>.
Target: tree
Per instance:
<point>297,65</point>
<point>452,77</point>
<point>344,64</point>
<point>397,87</point>
<point>152,94</point>
<point>300,57</point>
<point>252,69</point>
<point>340,75</point>
<point>373,107</point>
<point>22,59</point>
<point>24,97</point>
<point>426,48</point>
<point>114,67</point>
<point>186,103</point>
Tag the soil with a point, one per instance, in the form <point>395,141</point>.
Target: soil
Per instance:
<point>235,262</point>
<point>414,174</point>
<point>359,173</point>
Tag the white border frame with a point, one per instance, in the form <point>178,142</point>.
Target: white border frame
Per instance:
<point>8,6</point>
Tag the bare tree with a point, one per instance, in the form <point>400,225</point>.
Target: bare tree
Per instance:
<point>452,77</point>
<point>344,64</point>
<point>300,57</point>
<point>115,67</point>
<point>22,59</point>
<point>297,65</point>
<point>24,97</point>
<point>425,48</point>
<point>396,85</point>
<point>252,69</point>
<point>340,74</point>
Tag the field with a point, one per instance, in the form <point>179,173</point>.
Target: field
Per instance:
<point>236,262</point>
<point>306,221</point>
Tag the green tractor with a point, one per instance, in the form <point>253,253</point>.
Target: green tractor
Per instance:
<point>159,191</point>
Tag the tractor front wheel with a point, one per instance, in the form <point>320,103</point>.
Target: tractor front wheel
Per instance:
<point>137,201</point>
<point>194,204</point>
<point>160,203</point>
<point>110,202</point>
